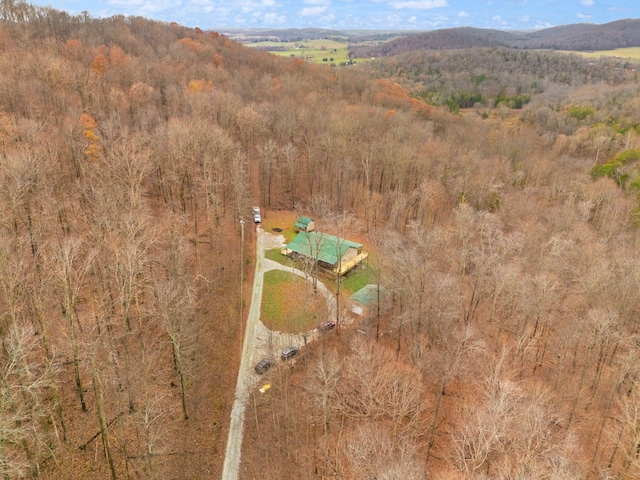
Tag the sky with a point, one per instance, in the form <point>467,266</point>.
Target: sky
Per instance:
<point>360,14</point>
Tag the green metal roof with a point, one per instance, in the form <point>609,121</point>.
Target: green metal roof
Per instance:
<point>322,246</point>
<point>303,223</point>
<point>369,294</point>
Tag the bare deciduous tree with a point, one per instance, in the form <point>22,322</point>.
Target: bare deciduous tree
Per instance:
<point>71,262</point>
<point>174,305</point>
<point>514,431</point>
<point>27,423</point>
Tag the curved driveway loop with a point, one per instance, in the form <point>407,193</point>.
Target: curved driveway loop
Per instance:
<point>260,342</point>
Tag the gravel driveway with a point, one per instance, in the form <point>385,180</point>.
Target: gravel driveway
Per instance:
<point>260,342</point>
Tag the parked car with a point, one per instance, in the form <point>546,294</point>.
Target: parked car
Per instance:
<point>326,326</point>
<point>264,365</point>
<point>257,218</point>
<point>288,352</point>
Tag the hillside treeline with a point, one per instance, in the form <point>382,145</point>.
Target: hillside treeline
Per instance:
<point>575,37</point>
<point>488,77</point>
<point>130,148</point>
<point>444,39</point>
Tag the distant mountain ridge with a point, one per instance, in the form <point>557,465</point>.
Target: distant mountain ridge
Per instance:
<point>577,37</point>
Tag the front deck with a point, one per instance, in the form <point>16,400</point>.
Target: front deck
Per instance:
<point>343,268</point>
<point>349,265</point>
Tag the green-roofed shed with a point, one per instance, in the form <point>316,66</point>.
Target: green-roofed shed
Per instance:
<point>305,224</point>
<point>332,253</point>
<point>365,301</point>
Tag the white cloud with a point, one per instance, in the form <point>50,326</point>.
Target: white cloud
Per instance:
<point>463,14</point>
<point>525,18</point>
<point>587,3</point>
<point>540,25</point>
<point>250,6</point>
<point>131,3</point>
<point>160,6</point>
<point>147,6</point>
<point>274,19</point>
<point>498,20</point>
<point>392,20</point>
<point>582,16</point>
<point>327,20</point>
<point>317,7</point>
<point>308,11</point>
<point>418,4</point>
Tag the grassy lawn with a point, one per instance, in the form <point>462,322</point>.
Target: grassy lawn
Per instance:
<point>355,281</point>
<point>275,255</point>
<point>284,297</point>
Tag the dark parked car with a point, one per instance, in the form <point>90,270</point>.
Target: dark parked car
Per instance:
<point>326,326</point>
<point>288,352</point>
<point>263,365</point>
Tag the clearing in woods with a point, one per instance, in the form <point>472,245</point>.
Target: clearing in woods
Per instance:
<point>322,51</point>
<point>631,53</point>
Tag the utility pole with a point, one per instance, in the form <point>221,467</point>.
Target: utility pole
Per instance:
<point>241,265</point>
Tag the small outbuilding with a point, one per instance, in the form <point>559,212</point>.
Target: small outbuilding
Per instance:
<point>305,224</point>
<point>364,302</point>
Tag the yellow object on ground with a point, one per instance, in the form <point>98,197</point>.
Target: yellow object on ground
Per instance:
<point>264,388</point>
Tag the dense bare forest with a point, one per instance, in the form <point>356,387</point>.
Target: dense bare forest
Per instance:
<point>491,77</point>
<point>512,347</point>
<point>129,148</point>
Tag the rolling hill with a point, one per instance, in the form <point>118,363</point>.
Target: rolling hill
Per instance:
<point>577,37</point>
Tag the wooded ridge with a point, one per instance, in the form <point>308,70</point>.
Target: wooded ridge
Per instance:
<point>576,37</point>
<point>489,77</point>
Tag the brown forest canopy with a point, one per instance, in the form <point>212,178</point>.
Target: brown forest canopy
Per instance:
<point>128,149</point>
<point>491,76</point>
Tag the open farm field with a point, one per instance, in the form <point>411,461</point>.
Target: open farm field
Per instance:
<point>321,51</point>
<point>631,53</point>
